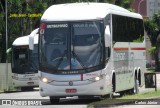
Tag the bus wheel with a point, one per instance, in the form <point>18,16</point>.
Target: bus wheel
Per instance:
<point>111,94</point>
<point>26,88</point>
<point>113,86</point>
<point>135,88</point>
<point>54,100</point>
<point>122,93</point>
<point>108,96</point>
<point>18,89</point>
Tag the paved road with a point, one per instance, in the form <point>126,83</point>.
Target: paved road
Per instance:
<point>138,106</point>
<point>64,103</point>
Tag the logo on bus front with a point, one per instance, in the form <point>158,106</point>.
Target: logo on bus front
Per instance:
<point>71,83</point>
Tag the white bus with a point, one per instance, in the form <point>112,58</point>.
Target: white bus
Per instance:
<point>90,49</point>
<point>24,63</point>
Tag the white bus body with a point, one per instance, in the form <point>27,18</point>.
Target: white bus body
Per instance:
<point>98,49</point>
<point>24,64</point>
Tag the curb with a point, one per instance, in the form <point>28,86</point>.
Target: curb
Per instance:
<point>154,100</point>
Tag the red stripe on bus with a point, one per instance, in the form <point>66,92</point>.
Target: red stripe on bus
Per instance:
<point>81,77</point>
<point>128,48</point>
<point>120,48</point>
<point>138,48</point>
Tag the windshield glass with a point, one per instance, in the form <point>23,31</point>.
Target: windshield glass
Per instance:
<point>86,45</point>
<point>71,46</point>
<point>20,63</point>
<point>54,47</point>
<point>34,59</point>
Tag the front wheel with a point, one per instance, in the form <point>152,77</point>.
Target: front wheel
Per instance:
<point>54,100</point>
<point>110,95</point>
<point>27,89</point>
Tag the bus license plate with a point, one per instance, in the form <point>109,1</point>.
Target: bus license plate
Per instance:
<point>30,83</point>
<point>71,90</point>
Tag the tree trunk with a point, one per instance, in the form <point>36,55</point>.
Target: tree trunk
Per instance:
<point>156,54</point>
<point>3,48</point>
<point>156,60</point>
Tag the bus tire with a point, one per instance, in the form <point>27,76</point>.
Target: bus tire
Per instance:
<point>113,86</point>
<point>122,93</point>
<point>135,89</point>
<point>111,95</point>
<point>54,100</point>
<point>27,89</point>
<point>108,96</point>
<point>139,79</point>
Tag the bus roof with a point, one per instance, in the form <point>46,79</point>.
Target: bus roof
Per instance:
<point>84,11</point>
<point>24,40</point>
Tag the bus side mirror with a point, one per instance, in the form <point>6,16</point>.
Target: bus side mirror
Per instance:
<point>31,42</point>
<point>31,38</point>
<point>107,36</point>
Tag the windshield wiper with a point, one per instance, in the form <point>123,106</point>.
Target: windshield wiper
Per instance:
<point>61,59</point>
<point>34,66</point>
<point>76,56</point>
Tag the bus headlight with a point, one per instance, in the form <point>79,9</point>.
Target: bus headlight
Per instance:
<point>45,80</point>
<point>97,78</point>
<point>15,77</point>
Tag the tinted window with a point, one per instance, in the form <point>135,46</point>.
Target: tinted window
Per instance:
<point>127,29</point>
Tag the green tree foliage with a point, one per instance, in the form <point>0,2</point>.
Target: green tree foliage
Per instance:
<point>21,25</point>
<point>151,50</point>
<point>2,29</point>
<point>140,39</point>
<point>124,3</point>
<point>152,27</point>
<point>18,25</point>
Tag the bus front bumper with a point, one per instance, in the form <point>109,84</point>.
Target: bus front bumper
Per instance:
<point>97,88</point>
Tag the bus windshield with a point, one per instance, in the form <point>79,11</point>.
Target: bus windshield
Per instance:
<point>34,59</point>
<point>20,63</point>
<point>72,46</point>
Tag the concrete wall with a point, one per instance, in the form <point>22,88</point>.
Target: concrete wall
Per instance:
<point>4,78</point>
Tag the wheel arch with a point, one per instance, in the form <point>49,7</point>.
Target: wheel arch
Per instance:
<point>135,73</point>
<point>139,75</point>
<point>113,80</point>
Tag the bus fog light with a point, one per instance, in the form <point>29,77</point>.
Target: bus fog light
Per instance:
<point>45,80</point>
<point>101,88</point>
<point>41,89</point>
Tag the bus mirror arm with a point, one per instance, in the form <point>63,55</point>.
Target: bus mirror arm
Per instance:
<point>31,42</point>
<point>31,39</point>
<point>107,36</point>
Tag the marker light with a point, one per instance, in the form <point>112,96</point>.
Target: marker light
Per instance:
<point>45,80</point>
<point>43,26</point>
